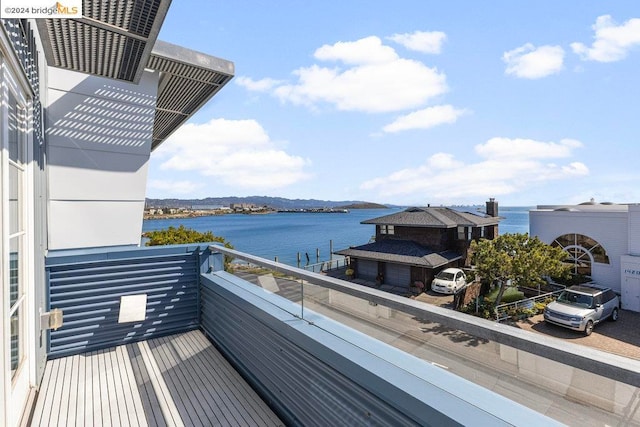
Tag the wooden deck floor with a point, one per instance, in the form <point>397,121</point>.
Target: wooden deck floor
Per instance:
<point>173,381</point>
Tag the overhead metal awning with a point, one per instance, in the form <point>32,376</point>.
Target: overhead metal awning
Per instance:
<point>113,39</point>
<point>118,40</point>
<point>188,79</point>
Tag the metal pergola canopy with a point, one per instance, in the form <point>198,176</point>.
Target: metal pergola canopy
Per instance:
<point>118,40</point>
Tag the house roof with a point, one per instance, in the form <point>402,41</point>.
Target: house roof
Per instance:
<point>434,217</point>
<point>588,207</point>
<point>118,40</point>
<point>401,252</point>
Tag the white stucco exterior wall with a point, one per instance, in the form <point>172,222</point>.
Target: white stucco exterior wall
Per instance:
<point>630,286</point>
<point>608,227</point>
<point>630,264</point>
<point>634,230</point>
<point>99,135</point>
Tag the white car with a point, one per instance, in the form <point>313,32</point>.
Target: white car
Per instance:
<point>580,307</point>
<point>449,281</point>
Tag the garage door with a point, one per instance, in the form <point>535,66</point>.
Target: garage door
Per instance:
<point>397,275</point>
<point>631,294</point>
<point>367,270</point>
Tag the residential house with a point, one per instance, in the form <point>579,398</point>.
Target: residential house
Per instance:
<point>415,244</point>
<point>602,241</point>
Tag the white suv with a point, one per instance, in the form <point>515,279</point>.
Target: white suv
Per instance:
<point>580,307</point>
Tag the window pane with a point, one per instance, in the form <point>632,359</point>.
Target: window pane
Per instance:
<point>600,255</point>
<point>566,240</point>
<point>585,242</point>
<point>15,276</point>
<point>581,256</point>
<point>15,199</point>
<point>16,148</point>
<point>16,342</point>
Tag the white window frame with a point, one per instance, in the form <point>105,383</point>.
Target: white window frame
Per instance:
<point>464,233</point>
<point>387,229</point>
<point>14,392</point>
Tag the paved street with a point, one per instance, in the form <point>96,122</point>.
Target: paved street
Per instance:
<point>621,337</point>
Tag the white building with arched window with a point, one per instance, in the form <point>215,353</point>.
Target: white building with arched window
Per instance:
<point>602,240</point>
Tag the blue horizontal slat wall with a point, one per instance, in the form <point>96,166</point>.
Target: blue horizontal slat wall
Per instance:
<point>87,287</point>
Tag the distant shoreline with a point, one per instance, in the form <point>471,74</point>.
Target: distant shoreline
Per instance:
<point>178,216</point>
<point>322,210</point>
<point>259,211</point>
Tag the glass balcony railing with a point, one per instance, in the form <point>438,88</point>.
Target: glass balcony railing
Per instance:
<point>570,383</point>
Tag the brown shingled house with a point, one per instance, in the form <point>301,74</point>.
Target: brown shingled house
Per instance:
<point>413,245</point>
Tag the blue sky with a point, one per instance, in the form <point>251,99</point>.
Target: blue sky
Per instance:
<point>411,102</point>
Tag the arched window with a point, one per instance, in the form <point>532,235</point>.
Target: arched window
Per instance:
<point>583,251</point>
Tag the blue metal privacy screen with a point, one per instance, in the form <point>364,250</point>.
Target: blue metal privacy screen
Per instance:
<point>88,286</point>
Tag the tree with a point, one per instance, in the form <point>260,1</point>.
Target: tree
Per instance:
<point>518,258</point>
<point>181,235</point>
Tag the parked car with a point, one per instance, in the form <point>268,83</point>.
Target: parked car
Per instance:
<point>449,281</point>
<point>580,307</point>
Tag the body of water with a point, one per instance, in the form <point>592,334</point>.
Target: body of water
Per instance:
<point>283,235</point>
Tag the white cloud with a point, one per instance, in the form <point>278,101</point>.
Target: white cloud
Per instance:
<point>505,166</point>
<point>575,168</point>
<point>261,85</point>
<point>425,118</point>
<point>529,62</point>
<point>368,50</point>
<point>370,77</point>
<point>443,161</point>
<point>612,42</point>
<point>239,152</point>
<point>421,41</point>
<point>506,149</point>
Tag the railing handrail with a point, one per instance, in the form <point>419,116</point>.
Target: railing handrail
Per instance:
<point>619,368</point>
<point>502,309</point>
<point>312,267</point>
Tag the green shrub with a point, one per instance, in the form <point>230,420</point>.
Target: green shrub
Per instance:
<point>574,279</point>
<point>182,235</point>
<point>521,313</point>
<point>484,310</point>
<point>511,294</point>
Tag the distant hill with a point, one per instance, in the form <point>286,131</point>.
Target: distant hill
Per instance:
<point>273,202</point>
